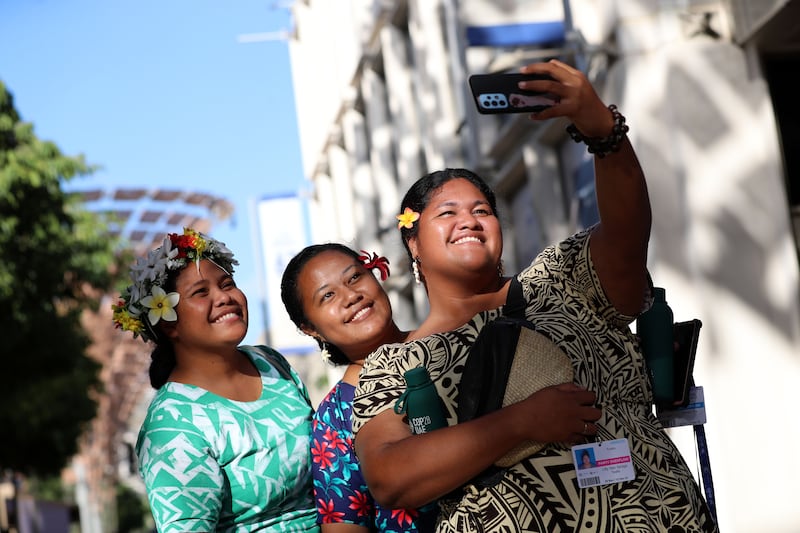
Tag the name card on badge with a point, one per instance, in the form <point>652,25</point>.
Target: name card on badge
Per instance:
<point>603,463</point>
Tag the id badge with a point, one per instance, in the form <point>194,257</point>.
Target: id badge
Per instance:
<point>603,463</point>
<point>692,415</point>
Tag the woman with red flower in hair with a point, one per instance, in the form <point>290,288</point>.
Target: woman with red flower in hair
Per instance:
<point>331,295</point>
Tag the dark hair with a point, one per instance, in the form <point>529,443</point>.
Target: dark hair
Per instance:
<point>419,196</point>
<point>162,358</point>
<point>291,296</point>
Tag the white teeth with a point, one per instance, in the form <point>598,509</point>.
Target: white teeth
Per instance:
<point>359,314</point>
<point>224,317</point>
<point>467,239</point>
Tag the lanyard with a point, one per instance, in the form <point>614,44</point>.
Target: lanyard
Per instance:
<point>705,468</point>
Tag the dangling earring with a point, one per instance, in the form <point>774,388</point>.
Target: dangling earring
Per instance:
<point>500,270</point>
<point>323,351</point>
<point>415,270</point>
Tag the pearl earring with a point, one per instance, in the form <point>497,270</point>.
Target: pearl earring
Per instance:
<point>415,270</point>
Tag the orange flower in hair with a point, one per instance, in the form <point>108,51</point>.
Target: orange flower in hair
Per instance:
<point>407,218</point>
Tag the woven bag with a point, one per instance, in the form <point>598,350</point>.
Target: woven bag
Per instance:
<point>508,362</point>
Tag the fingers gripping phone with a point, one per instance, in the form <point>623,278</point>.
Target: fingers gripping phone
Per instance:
<point>499,93</point>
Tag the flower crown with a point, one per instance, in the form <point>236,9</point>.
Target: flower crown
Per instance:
<point>375,261</point>
<point>145,302</point>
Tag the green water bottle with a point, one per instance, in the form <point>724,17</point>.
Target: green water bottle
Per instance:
<point>421,403</point>
<point>654,328</point>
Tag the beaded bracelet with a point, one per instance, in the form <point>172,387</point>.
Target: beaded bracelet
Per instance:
<point>602,146</point>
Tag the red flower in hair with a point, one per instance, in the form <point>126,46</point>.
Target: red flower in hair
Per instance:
<point>184,243</point>
<point>374,261</point>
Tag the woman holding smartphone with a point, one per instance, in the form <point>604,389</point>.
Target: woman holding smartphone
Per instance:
<point>582,293</point>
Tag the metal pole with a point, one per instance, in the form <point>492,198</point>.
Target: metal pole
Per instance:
<point>573,39</point>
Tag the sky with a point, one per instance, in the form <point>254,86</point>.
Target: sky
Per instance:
<point>163,94</point>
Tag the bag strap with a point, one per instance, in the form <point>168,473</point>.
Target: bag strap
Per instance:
<point>279,363</point>
<point>489,362</point>
<point>515,301</point>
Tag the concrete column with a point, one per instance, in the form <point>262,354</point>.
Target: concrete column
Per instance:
<point>434,85</point>
<point>322,211</point>
<point>402,105</point>
<point>381,155</point>
<point>341,179</point>
<point>364,210</point>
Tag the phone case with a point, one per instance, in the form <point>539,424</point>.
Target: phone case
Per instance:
<point>498,93</point>
<point>686,335</point>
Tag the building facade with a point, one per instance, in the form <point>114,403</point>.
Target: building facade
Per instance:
<point>382,98</point>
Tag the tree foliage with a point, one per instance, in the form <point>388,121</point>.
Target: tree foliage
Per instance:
<point>54,257</point>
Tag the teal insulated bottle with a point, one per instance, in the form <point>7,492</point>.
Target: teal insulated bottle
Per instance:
<point>421,403</point>
<point>654,328</point>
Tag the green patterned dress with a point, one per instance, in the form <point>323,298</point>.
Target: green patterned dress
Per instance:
<point>564,299</point>
<point>213,464</point>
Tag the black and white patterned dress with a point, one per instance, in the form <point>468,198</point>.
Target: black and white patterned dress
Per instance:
<point>566,303</point>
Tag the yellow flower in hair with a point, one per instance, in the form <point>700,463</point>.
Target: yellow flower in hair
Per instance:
<point>407,218</point>
<point>125,321</point>
<point>193,239</point>
<point>161,304</point>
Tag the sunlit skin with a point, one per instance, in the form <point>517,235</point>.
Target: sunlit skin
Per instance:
<point>345,305</point>
<point>212,321</point>
<point>460,243</point>
<point>459,232</point>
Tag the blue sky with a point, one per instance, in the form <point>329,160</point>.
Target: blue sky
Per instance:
<point>162,93</point>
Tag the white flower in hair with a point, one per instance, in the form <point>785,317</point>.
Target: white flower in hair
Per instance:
<point>161,304</point>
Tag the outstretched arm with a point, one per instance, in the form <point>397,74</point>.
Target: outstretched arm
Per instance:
<point>405,470</point>
<point>619,243</point>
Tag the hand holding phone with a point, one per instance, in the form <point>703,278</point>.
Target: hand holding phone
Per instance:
<point>499,93</point>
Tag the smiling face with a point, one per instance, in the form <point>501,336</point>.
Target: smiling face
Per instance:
<point>344,304</point>
<point>212,310</point>
<point>459,233</point>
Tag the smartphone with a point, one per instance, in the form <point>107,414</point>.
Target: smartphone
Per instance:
<point>498,93</point>
<point>685,335</point>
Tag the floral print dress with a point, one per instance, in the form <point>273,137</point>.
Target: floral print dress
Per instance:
<point>340,492</point>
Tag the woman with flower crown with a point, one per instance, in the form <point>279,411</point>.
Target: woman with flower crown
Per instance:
<point>224,445</point>
<point>331,295</point>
